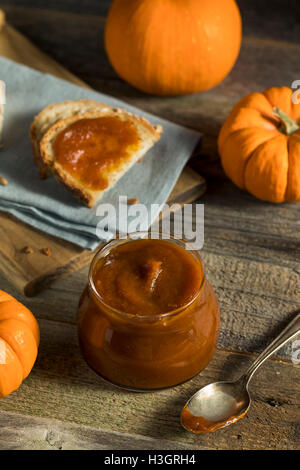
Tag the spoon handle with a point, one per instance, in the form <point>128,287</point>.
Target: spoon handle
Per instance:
<point>287,334</point>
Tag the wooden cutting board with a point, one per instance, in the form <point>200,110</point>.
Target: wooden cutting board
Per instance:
<point>32,272</point>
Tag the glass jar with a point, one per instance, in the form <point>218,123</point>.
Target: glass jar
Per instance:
<point>147,352</point>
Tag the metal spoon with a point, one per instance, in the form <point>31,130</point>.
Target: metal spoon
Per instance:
<point>222,403</point>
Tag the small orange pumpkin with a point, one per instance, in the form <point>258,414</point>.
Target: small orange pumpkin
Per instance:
<point>173,47</point>
<point>259,145</point>
<point>19,341</point>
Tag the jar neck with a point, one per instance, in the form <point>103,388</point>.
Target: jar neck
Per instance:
<point>159,318</point>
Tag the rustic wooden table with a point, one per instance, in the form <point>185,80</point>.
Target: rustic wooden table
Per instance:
<point>251,251</point>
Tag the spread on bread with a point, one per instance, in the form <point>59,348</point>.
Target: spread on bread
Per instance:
<point>50,116</point>
<point>89,146</point>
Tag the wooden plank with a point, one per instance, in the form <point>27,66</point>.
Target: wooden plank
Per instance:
<point>90,7</point>
<point>15,46</point>
<point>258,19</point>
<point>188,188</point>
<point>238,224</point>
<point>22,432</point>
<point>31,272</point>
<point>62,386</point>
<point>279,24</point>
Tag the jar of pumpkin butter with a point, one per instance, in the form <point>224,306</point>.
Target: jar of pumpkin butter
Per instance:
<point>148,318</point>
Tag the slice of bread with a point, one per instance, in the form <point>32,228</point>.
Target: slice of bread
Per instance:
<point>147,136</point>
<point>49,116</point>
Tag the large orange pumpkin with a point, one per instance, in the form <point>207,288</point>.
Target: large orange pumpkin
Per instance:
<point>173,47</point>
<point>19,341</point>
<point>259,145</point>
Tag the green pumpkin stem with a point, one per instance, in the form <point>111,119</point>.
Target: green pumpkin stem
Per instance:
<point>287,124</point>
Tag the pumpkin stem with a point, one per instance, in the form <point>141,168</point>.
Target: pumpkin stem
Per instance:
<point>287,124</point>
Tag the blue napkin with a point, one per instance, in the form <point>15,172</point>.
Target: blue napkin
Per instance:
<point>45,204</point>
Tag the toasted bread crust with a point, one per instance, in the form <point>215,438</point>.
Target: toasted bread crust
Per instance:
<point>80,193</point>
<point>148,136</point>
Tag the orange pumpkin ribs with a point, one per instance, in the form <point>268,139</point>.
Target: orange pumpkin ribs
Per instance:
<point>19,342</point>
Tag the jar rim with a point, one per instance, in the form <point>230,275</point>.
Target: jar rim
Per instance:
<point>129,238</point>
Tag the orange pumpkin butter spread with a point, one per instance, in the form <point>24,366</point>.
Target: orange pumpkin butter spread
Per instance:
<point>88,148</point>
<point>148,318</point>
<point>148,277</point>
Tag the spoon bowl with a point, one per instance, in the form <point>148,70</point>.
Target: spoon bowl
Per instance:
<point>215,406</point>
